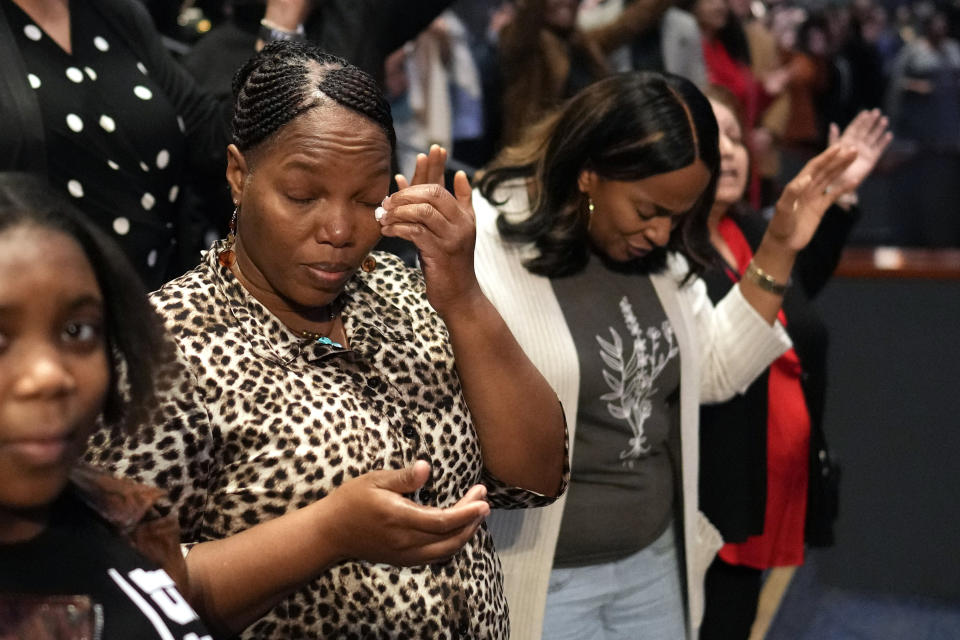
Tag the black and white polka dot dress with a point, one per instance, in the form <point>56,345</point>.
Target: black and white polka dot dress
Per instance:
<point>114,141</point>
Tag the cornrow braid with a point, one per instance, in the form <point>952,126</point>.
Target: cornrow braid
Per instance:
<point>286,79</point>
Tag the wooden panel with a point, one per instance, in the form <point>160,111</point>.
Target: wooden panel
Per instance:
<point>900,263</point>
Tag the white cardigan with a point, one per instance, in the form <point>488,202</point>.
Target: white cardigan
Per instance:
<point>722,349</point>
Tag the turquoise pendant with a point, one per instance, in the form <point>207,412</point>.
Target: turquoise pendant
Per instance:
<point>327,341</point>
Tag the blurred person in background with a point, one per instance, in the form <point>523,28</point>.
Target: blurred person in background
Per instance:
<point>923,101</point>
<point>364,32</point>
<point>764,59</point>
<point>766,478</point>
<point>545,57</point>
<point>435,92</point>
<point>806,56</point>
<point>727,54</point>
<point>671,44</point>
<point>92,99</point>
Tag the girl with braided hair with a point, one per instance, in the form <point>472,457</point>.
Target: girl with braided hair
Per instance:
<point>340,421</point>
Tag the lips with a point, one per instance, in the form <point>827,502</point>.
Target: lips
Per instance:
<point>329,273</point>
<point>43,451</point>
<point>636,252</point>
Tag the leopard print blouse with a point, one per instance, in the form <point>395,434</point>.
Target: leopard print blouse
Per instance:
<point>263,422</point>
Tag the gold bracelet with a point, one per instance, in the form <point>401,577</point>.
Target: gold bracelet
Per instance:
<point>764,280</point>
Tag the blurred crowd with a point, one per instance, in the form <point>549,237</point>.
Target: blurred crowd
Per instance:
<point>333,424</point>
<point>482,70</point>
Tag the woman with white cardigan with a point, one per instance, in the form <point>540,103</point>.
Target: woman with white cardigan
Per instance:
<point>590,234</point>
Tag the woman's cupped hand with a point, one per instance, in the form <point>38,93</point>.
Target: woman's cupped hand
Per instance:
<point>443,228</point>
<point>369,518</point>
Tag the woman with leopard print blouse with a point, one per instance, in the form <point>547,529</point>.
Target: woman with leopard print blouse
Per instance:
<point>311,367</point>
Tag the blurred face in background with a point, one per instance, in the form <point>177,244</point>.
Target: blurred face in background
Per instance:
<point>817,42</point>
<point>784,27</point>
<point>561,15</point>
<point>938,28</point>
<point>711,15</point>
<point>734,160</point>
<point>740,8</point>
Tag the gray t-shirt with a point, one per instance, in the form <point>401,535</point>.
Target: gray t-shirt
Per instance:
<point>621,492</point>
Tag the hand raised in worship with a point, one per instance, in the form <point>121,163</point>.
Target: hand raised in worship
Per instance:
<point>371,520</point>
<point>428,170</point>
<point>868,133</point>
<point>807,197</point>
<point>443,228</point>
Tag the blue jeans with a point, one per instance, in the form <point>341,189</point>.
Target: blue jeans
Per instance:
<point>637,598</point>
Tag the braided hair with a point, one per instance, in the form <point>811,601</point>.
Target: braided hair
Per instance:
<point>286,79</point>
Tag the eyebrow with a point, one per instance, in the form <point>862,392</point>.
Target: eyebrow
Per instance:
<point>314,166</point>
<point>84,300</point>
<point>661,212</point>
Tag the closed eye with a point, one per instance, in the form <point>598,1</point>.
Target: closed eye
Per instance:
<point>297,200</point>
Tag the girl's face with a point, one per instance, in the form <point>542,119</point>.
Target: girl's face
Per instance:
<point>54,369</point>
<point>734,161</point>
<point>631,219</point>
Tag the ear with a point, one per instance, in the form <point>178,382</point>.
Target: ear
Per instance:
<point>587,180</point>
<point>236,172</point>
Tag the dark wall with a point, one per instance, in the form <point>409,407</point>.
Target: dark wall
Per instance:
<point>893,416</point>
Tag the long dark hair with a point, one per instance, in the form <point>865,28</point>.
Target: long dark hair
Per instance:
<point>133,329</point>
<point>734,40</point>
<point>625,127</point>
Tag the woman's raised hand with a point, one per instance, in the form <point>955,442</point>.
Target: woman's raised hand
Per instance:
<point>428,170</point>
<point>868,134</point>
<point>808,196</point>
<point>443,228</point>
<point>370,519</point>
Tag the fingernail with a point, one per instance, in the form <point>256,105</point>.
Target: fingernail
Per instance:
<point>378,213</point>
<point>434,146</point>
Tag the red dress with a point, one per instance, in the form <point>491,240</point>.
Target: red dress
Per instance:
<point>735,76</point>
<point>788,447</point>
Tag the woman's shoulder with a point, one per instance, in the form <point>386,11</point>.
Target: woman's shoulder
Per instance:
<point>195,290</point>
